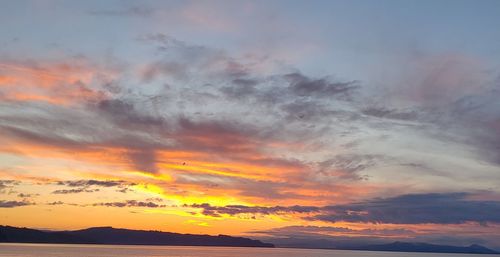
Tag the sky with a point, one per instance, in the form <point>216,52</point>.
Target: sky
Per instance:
<point>350,121</point>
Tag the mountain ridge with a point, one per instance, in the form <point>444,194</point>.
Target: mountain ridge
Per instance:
<point>120,236</point>
<point>399,246</point>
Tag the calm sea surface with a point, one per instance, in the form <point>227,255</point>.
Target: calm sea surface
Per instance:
<point>55,250</point>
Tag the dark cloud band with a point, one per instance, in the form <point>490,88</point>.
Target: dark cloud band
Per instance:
<point>437,208</point>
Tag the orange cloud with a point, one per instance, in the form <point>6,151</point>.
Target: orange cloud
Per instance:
<point>57,83</point>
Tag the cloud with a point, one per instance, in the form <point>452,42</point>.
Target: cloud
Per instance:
<point>13,204</point>
<point>64,82</point>
<point>221,136</point>
<point>302,85</point>
<point>92,182</point>
<point>437,79</point>
<point>233,210</point>
<point>27,195</point>
<point>56,203</point>
<point>124,113</point>
<point>6,186</point>
<point>348,166</point>
<point>325,231</point>
<point>124,190</point>
<point>311,111</point>
<point>247,185</point>
<point>39,137</point>
<point>437,208</point>
<point>240,88</point>
<point>179,61</point>
<point>477,119</point>
<point>74,191</point>
<point>390,114</point>
<point>85,186</point>
<point>144,160</point>
<point>290,91</point>
<point>7,183</point>
<point>238,77</point>
<point>131,203</point>
<point>453,93</point>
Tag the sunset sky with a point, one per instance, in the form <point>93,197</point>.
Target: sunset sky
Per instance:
<point>343,120</point>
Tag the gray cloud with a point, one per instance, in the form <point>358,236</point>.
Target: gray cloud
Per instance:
<point>477,117</point>
<point>37,136</point>
<point>160,69</point>
<point>348,166</point>
<point>143,160</point>
<point>13,204</point>
<point>217,211</point>
<point>390,113</point>
<point>56,203</point>
<point>74,191</point>
<point>125,114</point>
<point>311,111</point>
<point>438,208</point>
<point>7,184</point>
<point>92,182</point>
<point>293,91</point>
<point>241,88</point>
<point>131,203</point>
<point>302,85</point>
<point>321,231</point>
<point>89,186</point>
<point>182,61</point>
<point>27,195</point>
<point>247,187</point>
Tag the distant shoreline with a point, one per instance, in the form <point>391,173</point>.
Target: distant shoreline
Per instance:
<point>215,246</point>
<point>367,250</point>
<point>128,237</point>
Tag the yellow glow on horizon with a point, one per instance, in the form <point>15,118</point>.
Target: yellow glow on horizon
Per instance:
<point>161,176</point>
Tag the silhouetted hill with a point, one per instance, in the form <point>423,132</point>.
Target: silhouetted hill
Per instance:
<point>26,235</point>
<point>109,235</point>
<point>424,247</point>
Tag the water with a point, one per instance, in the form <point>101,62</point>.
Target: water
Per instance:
<point>59,250</point>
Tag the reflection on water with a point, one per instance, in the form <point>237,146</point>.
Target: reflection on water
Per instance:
<point>57,250</point>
